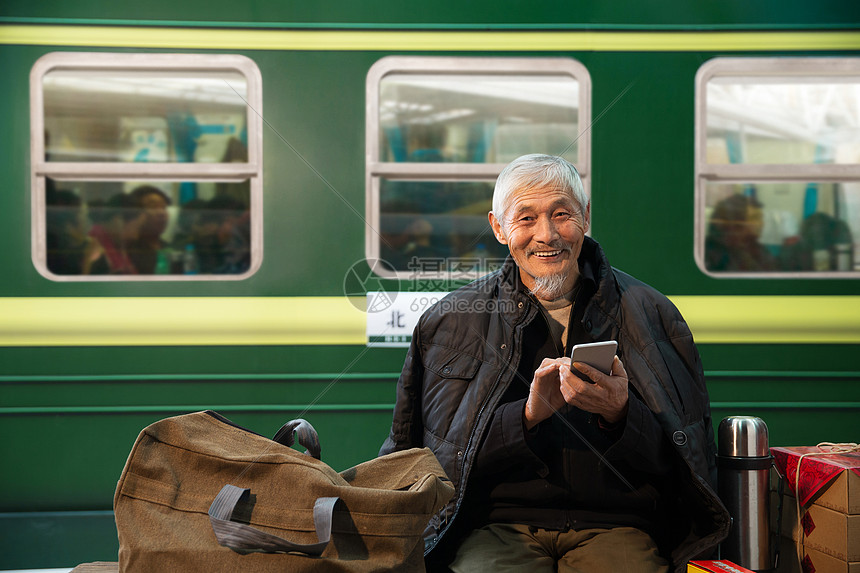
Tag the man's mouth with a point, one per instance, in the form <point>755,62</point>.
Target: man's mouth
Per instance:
<point>549,252</point>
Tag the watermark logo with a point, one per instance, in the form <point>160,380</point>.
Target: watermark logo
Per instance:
<point>364,277</point>
<point>372,285</point>
<point>395,302</point>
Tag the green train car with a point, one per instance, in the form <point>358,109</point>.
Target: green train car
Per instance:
<point>322,172</point>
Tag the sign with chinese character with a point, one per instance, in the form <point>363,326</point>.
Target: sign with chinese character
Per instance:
<point>391,317</point>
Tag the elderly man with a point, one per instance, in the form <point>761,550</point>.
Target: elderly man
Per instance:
<point>554,473</point>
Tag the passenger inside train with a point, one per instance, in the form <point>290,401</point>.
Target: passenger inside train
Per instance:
<point>732,243</point>
<point>67,227</point>
<point>141,233</point>
<point>116,223</point>
<point>792,230</point>
<point>144,250</point>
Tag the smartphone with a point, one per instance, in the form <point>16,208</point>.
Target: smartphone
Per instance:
<point>596,354</point>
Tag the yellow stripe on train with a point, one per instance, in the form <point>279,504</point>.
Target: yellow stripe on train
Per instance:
<point>220,321</point>
<point>349,40</point>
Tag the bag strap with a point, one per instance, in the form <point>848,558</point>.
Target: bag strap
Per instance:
<point>307,436</point>
<point>246,539</point>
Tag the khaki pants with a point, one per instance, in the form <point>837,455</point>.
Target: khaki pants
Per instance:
<point>505,547</point>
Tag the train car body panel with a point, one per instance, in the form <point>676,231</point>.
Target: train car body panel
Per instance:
<point>84,365</point>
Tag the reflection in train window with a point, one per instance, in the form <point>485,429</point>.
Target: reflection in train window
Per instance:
<point>778,167</point>
<point>439,131</point>
<point>781,227</point>
<point>146,168</point>
<point>98,228</point>
<point>438,226</point>
<point>485,119</point>
<point>782,120</point>
<point>142,116</point>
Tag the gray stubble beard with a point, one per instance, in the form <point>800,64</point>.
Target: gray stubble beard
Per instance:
<point>549,287</point>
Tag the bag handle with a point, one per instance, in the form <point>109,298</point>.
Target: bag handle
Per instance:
<point>307,436</point>
<point>246,539</point>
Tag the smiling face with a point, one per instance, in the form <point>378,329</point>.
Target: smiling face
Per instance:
<point>544,229</point>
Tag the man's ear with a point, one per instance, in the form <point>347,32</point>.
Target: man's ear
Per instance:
<point>587,218</point>
<point>497,229</point>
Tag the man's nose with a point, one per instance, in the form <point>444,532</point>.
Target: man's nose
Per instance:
<point>546,231</point>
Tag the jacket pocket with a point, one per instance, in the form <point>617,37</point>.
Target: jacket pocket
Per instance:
<point>449,455</point>
<point>448,362</point>
<point>448,376</point>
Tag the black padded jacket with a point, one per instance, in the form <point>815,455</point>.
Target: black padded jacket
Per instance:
<point>465,351</point>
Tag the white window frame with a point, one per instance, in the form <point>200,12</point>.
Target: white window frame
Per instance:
<point>762,68</point>
<point>376,170</point>
<point>251,171</point>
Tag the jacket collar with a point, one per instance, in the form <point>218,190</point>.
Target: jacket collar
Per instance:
<point>606,292</point>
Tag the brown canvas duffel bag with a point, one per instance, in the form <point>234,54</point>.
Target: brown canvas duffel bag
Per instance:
<point>199,493</point>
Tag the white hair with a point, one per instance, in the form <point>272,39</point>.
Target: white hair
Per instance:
<point>534,171</point>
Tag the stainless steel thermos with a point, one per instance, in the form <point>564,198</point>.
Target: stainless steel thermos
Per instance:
<point>743,465</point>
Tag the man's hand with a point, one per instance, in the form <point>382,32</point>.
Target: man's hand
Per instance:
<point>606,397</point>
<point>545,395</point>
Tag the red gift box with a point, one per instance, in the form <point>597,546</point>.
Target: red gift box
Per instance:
<point>721,566</point>
<point>829,522</point>
<point>831,480</point>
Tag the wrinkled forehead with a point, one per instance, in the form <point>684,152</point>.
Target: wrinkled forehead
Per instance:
<point>541,198</point>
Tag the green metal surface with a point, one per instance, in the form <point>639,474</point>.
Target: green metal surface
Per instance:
<point>31,540</point>
<point>450,12</point>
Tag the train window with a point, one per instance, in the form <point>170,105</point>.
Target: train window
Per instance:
<point>439,131</point>
<point>146,166</point>
<point>778,167</point>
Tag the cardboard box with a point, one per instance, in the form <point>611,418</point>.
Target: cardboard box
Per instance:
<point>818,562</point>
<point>830,480</point>
<point>721,566</point>
<point>813,561</point>
<point>825,530</point>
<point>842,495</point>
